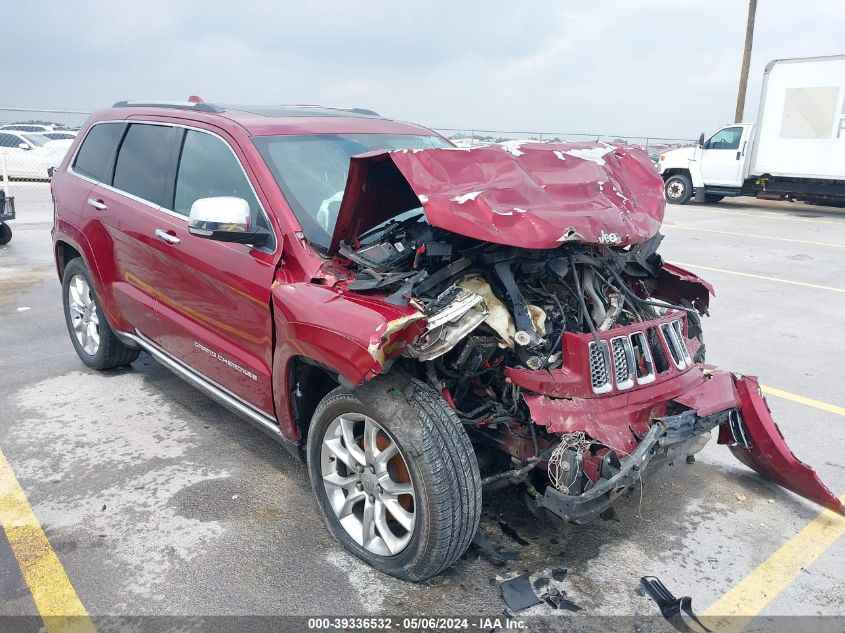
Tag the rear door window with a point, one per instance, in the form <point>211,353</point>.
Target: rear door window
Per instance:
<point>144,160</point>
<point>96,154</point>
<point>209,168</point>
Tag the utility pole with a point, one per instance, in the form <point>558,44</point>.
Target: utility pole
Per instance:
<point>746,61</point>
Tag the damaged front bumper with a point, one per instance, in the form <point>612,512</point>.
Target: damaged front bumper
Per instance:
<point>666,440</point>
<point>746,426</point>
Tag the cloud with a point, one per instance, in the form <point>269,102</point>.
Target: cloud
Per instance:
<point>654,67</point>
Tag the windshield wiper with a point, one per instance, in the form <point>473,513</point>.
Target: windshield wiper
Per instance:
<point>390,227</point>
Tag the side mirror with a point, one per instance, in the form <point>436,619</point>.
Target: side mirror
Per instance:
<point>225,219</point>
<point>701,140</point>
<point>23,146</point>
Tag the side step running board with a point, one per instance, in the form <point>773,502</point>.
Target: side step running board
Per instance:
<point>257,418</point>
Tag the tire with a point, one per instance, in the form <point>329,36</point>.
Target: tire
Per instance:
<point>678,189</point>
<point>712,198</point>
<point>441,466</point>
<point>105,350</point>
<point>5,233</point>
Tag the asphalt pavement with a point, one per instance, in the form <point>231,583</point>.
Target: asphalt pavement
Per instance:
<point>159,501</point>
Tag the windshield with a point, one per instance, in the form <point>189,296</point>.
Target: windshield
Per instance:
<point>35,139</point>
<point>311,171</point>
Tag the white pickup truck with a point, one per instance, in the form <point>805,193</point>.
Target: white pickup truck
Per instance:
<point>795,150</point>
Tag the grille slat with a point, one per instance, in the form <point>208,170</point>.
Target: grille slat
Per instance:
<point>623,362</point>
<point>675,344</point>
<point>629,359</point>
<point>599,367</point>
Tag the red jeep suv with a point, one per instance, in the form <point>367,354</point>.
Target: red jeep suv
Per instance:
<point>419,322</point>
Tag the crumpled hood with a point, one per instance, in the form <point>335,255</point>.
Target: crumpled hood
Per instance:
<point>527,195</point>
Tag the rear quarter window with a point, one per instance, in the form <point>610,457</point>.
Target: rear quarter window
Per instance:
<point>144,162</point>
<point>9,140</point>
<point>95,156</point>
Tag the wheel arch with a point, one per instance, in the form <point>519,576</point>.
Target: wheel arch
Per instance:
<point>308,382</point>
<point>68,244</point>
<point>674,171</point>
<point>64,252</point>
<point>350,338</point>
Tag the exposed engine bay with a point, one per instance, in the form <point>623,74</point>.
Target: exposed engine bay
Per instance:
<point>570,351</point>
<point>490,307</point>
<point>525,299</point>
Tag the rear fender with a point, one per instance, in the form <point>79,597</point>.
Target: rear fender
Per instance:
<point>768,453</point>
<point>76,239</point>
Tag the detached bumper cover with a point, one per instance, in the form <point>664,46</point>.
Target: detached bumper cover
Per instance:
<point>765,450</point>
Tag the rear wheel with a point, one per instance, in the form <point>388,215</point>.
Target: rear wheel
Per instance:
<point>92,337</point>
<point>395,476</point>
<point>5,233</point>
<point>678,189</point>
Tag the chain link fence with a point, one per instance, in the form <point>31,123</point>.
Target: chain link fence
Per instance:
<point>653,145</point>
<point>33,142</point>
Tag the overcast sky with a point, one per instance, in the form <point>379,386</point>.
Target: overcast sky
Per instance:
<point>644,67</point>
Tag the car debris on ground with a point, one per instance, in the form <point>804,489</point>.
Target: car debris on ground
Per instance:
<point>677,611</point>
<point>518,594</point>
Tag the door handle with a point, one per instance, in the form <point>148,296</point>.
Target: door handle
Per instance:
<point>97,204</point>
<point>164,236</point>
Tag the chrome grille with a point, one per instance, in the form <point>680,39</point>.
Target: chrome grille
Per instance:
<point>675,343</point>
<point>600,367</point>
<point>623,362</point>
<point>629,359</point>
<point>677,326</point>
<point>643,359</point>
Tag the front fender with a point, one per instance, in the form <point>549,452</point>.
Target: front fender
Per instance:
<point>674,284</point>
<point>351,335</point>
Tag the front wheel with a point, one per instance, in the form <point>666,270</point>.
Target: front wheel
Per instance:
<point>395,476</point>
<point>5,233</point>
<point>678,189</point>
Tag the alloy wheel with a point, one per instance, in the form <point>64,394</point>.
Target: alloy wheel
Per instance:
<point>83,315</point>
<point>368,484</point>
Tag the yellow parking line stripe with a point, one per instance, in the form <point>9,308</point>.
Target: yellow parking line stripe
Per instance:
<point>764,277</point>
<point>771,216</point>
<point>54,596</point>
<point>754,592</point>
<point>760,237</point>
<point>817,404</point>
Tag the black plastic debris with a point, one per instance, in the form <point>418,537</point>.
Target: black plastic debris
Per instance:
<point>497,556</point>
<point>518,594</point>
<point>559,573</point>
<point>557,600</point>
<point>508,530</point>
<point>567,604</point>
<point>672,608</point>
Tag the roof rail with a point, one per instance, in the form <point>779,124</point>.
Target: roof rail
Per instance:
<point>363,111</point>
<point>179,105</point>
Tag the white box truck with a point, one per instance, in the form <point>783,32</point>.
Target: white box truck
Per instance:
<point>795,150</point>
